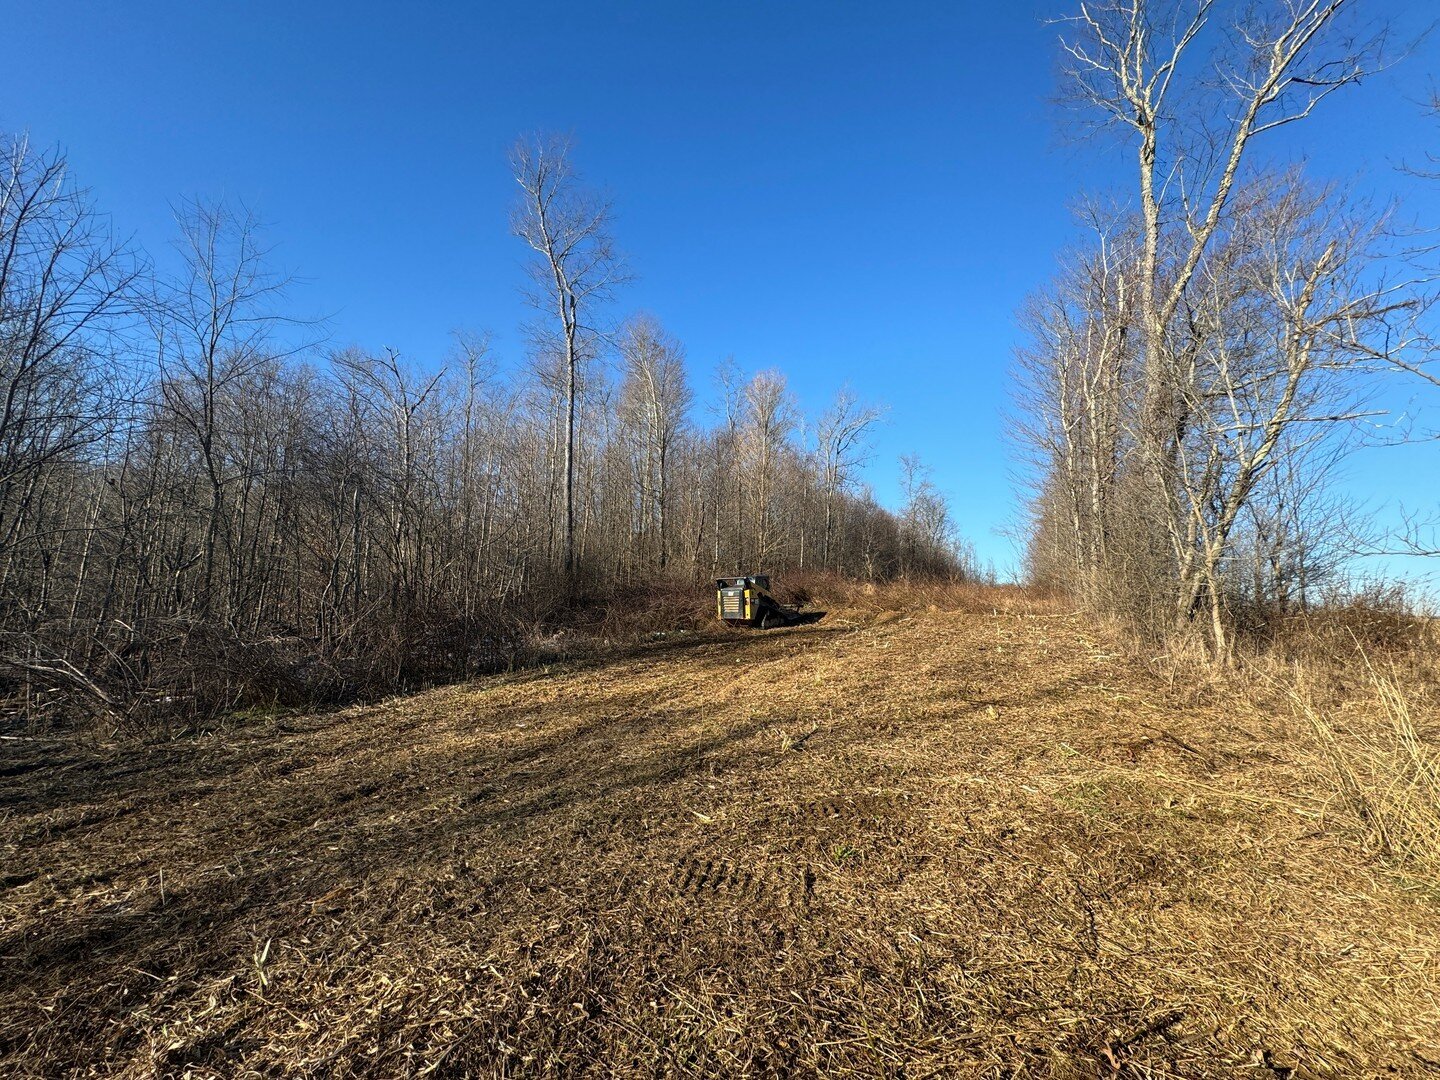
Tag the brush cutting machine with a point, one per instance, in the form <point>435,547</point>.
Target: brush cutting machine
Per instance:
<point>747,601</point>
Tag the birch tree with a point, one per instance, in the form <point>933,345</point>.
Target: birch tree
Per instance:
<point>1133,65</point>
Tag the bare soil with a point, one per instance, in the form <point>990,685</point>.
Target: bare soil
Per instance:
<point>928,843</point>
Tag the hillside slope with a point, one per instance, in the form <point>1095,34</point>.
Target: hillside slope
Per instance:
<point>926,843</point>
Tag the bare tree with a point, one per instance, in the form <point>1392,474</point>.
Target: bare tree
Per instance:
<point>768,425</point>
<point>398,409</point>
<point>1290,313</point>
<point>213,329</point>
<point>575,272</point>
<point>840,436</point>
<point>654,400</point>
<point>65,284</point>
<point>1131,64</point>
<point>67,289</point>
<point>1075,383</point>
<point>928,534</point>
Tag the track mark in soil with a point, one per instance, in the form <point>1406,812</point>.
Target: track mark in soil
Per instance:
<point>59,824</point>
<point>862,806</point>
<point>717,879</point>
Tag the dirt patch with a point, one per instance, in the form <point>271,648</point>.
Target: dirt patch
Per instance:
<point>933,843</point>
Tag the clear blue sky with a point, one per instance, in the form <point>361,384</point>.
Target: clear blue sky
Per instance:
<point>850,192</point>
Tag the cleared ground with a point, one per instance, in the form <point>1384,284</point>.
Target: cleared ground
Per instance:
<point>903,844</point>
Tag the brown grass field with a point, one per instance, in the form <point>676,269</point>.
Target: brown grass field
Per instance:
<point>894,843</point>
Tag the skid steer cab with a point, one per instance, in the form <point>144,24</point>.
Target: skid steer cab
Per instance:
<point>746,601</point>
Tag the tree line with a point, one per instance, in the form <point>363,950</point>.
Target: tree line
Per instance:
<point>195,513</point>
<point>1209,354</point>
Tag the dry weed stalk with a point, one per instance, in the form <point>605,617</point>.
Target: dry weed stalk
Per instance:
<point>1383,768</point>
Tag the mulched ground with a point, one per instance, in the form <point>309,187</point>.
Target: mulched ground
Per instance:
<point>898,844</point>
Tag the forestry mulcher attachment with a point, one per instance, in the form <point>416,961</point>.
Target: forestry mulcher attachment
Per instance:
<point>747,601</point>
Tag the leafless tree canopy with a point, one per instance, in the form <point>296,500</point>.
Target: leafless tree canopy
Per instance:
<point>195,516</point>
<point>1200,364</point>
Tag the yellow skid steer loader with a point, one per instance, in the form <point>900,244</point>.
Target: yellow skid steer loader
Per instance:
<point>747,601</point>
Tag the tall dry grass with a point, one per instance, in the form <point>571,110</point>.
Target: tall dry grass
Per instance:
<point>1378,749</point>
<point>826,590</point>
<point>1355,684</point>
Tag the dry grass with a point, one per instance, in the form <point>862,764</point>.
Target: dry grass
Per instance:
<point>925,594</point>
<point>1380,747</point>
<point>974,840</point>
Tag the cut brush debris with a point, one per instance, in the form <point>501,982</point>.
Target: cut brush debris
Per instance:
<point>1006,853</point>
